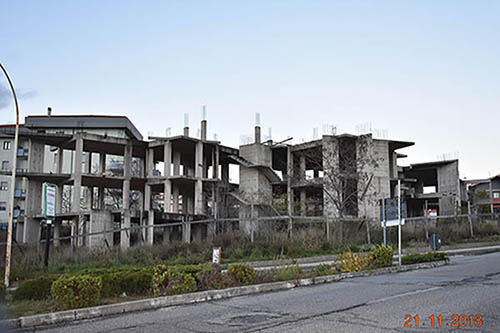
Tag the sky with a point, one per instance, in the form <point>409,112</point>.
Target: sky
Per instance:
<point>420,71</point>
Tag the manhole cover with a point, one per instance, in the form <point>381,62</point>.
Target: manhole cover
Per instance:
<point>250,319</point>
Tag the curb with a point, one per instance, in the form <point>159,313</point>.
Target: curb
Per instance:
<point>197,297</point>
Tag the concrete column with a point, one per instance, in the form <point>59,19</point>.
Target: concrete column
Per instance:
<point>216,163</point>
<point>289,191</point>
<point>302,161</point>
<point>102,163</point>
<point>177,162</point>
<point>225,172</point>
<point>166,234</point>
<point>91,189</point>
<point>88,162</point>
<point>303,202</point>
<point>197,232</point>
<point>147,207</point>
<point>60,160</point>
<point>198,188</point>
<point>150,162</point>
<point>127,161</point>
<point>175,198</point>
<point>167,158</point>
<point>167,193</point>
<point>186,232</point>
<point>100,221</point>
<point>77,174</point>
<point>57,233</point>
<point>100,204</point>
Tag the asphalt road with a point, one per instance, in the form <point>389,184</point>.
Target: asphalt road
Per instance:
<point>468,286</point>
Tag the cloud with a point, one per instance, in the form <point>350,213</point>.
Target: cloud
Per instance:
<point>6,96</point>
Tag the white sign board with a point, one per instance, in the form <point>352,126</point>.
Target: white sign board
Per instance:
<point>49,200</point>
<point>216,255</point>
<point>393,223</point>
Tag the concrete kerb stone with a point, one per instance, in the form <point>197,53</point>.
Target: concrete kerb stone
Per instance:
<point>203,296</point>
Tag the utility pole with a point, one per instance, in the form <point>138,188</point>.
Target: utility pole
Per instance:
<point>8,250</point>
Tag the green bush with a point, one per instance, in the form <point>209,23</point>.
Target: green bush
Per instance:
<point>37,289</point>
<point>181,283</point>
<point>352,262</point>
<point>427,257</point>
<point>70,292</point>
<point>130,282</point>
<point>380,256</point>
<point>287,273</point>
<point>241,274</point>
<point>324,269</point>
<point>211,278</point>
<point>172,280</point>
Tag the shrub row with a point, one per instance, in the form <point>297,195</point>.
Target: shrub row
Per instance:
<point>427,257</point>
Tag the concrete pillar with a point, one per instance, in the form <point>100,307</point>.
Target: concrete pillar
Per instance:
<point>197,232</point>
<point>257,134</point>
<point>204,130</point>
<point>57,233</point>
<point>100,221</point>
<point>225,172</point>
<point>77,174</point>
<point>302,161</point>
<point>60,160</point>
<point>303,202</point>
<point>88,162</point>
<point>215,164</point>
<point>150,162</point>
<point>177,162</point>
<point>102,163</point>
<point>175,198</point>
<point>166,234</point>
<point>186,232</point>
<point>100,204</point>
<point>289,191</point>
<point>91,189</point>
<point>198,188</point>
<point>147,207</point>
<point>167,158</point>
<point>127,163</point>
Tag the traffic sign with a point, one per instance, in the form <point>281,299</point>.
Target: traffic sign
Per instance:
<point>49,200</point>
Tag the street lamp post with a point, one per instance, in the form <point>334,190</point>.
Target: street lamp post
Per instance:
<point>8,250</point>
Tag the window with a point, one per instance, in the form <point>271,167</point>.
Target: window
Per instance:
<point>4,186</point>
<point>6,145</point>
<point>5,165</point>
<point>3,206</point>
<point>496,195</point>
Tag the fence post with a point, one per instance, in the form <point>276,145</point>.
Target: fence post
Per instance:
<point>327,229</point>
<point>469,217</point>
<point>251,220</point>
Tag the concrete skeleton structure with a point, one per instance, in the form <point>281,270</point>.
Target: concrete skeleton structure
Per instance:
<point>109,177</point>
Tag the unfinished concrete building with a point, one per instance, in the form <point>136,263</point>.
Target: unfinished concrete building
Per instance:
<point>174,188</point>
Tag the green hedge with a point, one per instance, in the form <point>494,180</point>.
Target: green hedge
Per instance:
<point>418,258</point>
<point>380,256</point>
<point>241,274</point>
<point>37,289</point>
<point>173,280</point>
<point>71,292</point>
